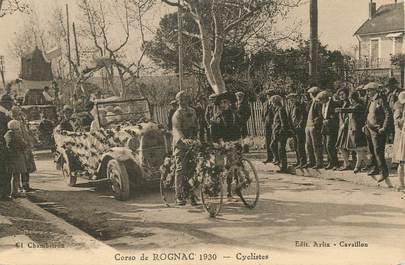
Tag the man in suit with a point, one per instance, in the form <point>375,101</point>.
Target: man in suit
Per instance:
<point>281,128</point>
<point>297,114</point>
<point>378,119</point>
<point>209,114</point>
<point>330,127</point>
<point>267,118</point>
<point>313,131</point>
<point>243,111</point>
<point>6,103</point>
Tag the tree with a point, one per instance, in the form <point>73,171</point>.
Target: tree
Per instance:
<point>163,49</point>
<point>103,21</point>
<point>218,20</point>
<point>12,6</point>
<point>288,68</point>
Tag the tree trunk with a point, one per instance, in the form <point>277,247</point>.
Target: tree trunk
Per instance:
<point>212,57</point>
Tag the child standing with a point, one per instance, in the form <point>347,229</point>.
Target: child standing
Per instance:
<point>16,148</point>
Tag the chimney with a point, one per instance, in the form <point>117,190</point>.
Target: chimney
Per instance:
<point>372,9</point>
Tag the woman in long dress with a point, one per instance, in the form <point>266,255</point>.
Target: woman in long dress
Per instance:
<point>341,143</point>
<point>401,150</point>
<point>398,122</point>
<point>356,140</point>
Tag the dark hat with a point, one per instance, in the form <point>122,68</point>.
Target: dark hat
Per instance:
<point>6,98</point>
<point>224,95</point>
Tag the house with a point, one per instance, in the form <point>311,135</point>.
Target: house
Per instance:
<point>381,36</point>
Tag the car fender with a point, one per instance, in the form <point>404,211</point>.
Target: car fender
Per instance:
<point>121,154</point>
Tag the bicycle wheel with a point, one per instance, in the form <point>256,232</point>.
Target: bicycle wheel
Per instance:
<point>248,183</point>
<point>167,192</point>
<point>212,193</point>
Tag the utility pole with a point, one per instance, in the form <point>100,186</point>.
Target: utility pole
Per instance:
<point>76,45</point>
<point>313,47</point>
<point>180,40</point>
<point>68,46</point>
<point>2,70</point>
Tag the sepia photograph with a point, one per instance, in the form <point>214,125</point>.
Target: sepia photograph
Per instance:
<point>166,132</point>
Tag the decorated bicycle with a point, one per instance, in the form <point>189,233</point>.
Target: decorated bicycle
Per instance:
<point>212,168</point>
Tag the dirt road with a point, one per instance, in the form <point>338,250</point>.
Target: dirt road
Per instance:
<point>311,220</point>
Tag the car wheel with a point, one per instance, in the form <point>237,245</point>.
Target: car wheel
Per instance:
<point>68,175</point>
<point>118,175</point>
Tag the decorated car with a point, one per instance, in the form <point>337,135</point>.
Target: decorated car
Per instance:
<point>123,148</point>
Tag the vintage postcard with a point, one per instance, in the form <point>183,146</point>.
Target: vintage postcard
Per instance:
<point>202,132</point>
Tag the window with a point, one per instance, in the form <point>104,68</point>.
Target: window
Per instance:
<point>398,45</point>
<point>374,49</point>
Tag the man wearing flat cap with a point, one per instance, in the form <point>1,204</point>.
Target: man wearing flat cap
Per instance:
<point>185,129</point>
<point>6,103</point>
<point>330,127</point>
<point>281,129</point>
<point>297,115</point>
<point>313,131</point>
<point>378,119</point>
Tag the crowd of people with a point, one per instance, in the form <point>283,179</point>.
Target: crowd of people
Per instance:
<point>16,156</point>
<point>356,124</point>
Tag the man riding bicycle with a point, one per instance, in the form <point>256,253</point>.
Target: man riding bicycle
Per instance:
<point>225,127</point>
<point>185,129</point>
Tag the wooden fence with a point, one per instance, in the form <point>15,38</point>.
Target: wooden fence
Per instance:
<point>255,124</point>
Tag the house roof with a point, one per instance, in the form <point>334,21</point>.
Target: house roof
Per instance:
<point>388,18</point>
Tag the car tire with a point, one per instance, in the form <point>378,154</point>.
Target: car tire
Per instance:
<point>119,178</point>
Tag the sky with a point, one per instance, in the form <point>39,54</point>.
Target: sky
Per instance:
<point>338,20</point>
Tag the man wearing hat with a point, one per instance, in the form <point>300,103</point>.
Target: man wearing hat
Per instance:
<point>330,127</point>
<point>267,118</point>
<point>281,128</point>
<point>378,119</point>
<point>6,103</point>
<point>313,131</point>
<point>185,128</point>
<point>66,123</point>
<point>392,91</point>
<point>173,108</point>
<point>225,127</point>
<point>297,114</point>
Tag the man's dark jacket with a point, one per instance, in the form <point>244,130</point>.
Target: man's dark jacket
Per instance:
<point>331,120</point>
<point>382,114</point>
